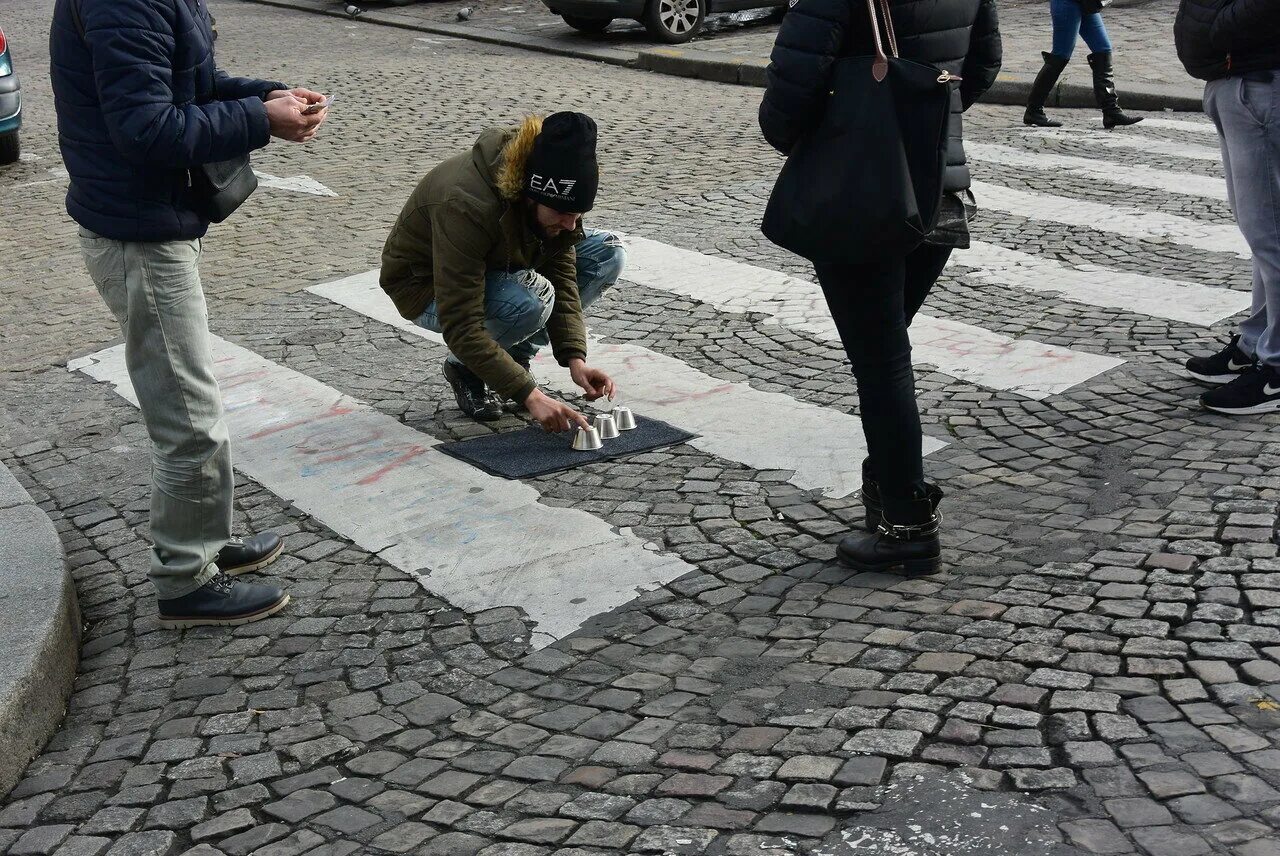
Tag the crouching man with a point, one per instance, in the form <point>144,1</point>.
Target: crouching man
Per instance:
<point>490,251</point>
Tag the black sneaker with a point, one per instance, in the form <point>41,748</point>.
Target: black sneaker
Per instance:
<point>1255,391</point>
<point>1223,367</point>
<point>221,602</point>
<point>470,393</point>
<point>241,556</point>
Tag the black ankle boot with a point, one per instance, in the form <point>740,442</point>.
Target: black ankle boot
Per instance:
<point>1040,89</point>
<point>913,546</point>
<point>1104,92</point>
<point>873,508</point>
<point>469,391</point>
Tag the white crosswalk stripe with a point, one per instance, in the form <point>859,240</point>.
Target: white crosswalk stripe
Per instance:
<point>1129,222</point>
<point>1099,286</point>
<point>1183,125</point>
<point>1026,367</point>
<point>764,430</point>
<point>1093,169</point>
<point>477,541</point>
<point>1130,141</point>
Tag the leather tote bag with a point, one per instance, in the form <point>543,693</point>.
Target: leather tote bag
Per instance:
<point>867,181</point>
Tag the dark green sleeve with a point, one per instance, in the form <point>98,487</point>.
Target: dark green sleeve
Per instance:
<point>460,246</point>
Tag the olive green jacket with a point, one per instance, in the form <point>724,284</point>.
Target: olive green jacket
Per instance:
<point>463,220</point>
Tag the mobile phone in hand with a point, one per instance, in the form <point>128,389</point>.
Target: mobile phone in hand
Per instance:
<point>317,107</point>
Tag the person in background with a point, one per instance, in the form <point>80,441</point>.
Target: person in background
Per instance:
<point>873,304</point>
<point>1234,45</point>
<point>141,105</point>
<point>1082,19</point>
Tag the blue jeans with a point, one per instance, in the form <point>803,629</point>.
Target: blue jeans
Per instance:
<point>518,303</point>
<point>1247,113</point>
<point>1070,21</point>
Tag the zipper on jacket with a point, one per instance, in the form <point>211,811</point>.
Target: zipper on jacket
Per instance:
<point>947,77</point>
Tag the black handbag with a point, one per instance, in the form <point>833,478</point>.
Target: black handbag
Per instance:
<point>867,181</point>
<point>218,188</point>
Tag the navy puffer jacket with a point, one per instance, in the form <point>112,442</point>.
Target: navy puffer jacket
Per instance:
<point>959,36</point>
<point>140,103</point>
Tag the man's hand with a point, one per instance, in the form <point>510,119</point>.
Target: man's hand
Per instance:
<point>594,382</point>
<point>287,119</point>
<point>307,95</point>
<point>552,415</point>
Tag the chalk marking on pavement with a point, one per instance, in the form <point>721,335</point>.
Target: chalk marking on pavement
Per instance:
<point>294,184</point>
<point>1098,216</point>
<point>764,430</point>
<point>1095,285</point>
<point>1132,175</point>
<point>477,541</point>
<point>1023,366</point>
<point>1128,140</point>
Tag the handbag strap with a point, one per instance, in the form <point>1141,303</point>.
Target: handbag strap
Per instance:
<point>880,67</point>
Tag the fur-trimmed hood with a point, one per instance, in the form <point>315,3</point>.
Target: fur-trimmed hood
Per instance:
<point>509,172</point>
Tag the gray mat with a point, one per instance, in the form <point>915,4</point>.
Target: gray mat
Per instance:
<point>534,452</point>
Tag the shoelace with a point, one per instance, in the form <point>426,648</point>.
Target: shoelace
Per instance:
<point>220,583</point>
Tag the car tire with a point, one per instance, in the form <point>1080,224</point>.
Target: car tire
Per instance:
<point>10,148</point>
<point>674,21</point>
<point>587,25</point>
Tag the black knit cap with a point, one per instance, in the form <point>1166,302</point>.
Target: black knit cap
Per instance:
<point>562,169</point>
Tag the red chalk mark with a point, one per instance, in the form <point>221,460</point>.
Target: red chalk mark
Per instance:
<point>236,379</point>
<point>334,410</point>
<point>404,458</point>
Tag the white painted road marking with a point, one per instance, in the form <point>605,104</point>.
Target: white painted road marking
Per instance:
<point>477,541</point>
<point>1128,140</point>
<point>1132,175</point>
<point>1099,286</point>
<point>293,184</point>
<point>1023,366</point>
<point>764,430</point>
<point>1178,125</point>
<point>1129,222</point>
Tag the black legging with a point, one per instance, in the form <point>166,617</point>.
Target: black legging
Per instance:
<point>873,305</point>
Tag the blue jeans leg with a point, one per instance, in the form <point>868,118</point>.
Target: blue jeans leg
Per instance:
<point>516,306</point>
<point>1069,22</point>
<point>1247,114</point>
<point>601,259</point>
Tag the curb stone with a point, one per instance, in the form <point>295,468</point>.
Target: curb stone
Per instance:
<point>1009,89</point>
<point>40,635</point>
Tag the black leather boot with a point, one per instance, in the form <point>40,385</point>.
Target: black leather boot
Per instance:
<point>873,507</point>
<point>470,393</point>
<point>1040,89</point>
<point>911,546</point>
<point>1104,92</point>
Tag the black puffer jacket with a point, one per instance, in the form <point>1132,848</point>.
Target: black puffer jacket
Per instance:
<point>1217,38</point>
<point>959,36</point>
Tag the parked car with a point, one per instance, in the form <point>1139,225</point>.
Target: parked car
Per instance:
<point>670,21</point>
<point>10,106</point>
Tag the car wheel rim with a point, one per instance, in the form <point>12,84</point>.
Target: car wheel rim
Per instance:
<point>678,16</point>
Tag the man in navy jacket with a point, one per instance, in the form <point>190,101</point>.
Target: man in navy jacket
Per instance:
<point>141,105</point>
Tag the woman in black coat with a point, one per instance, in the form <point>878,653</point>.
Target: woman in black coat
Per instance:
<point>873,303</point>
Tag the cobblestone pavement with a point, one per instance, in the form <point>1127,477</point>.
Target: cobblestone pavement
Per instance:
<point>1097,670</point>
<point>1142,34</point>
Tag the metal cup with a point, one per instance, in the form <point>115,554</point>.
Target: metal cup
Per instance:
<point>586,440</point>
<point>605,426</point>
<point>623,418</point>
